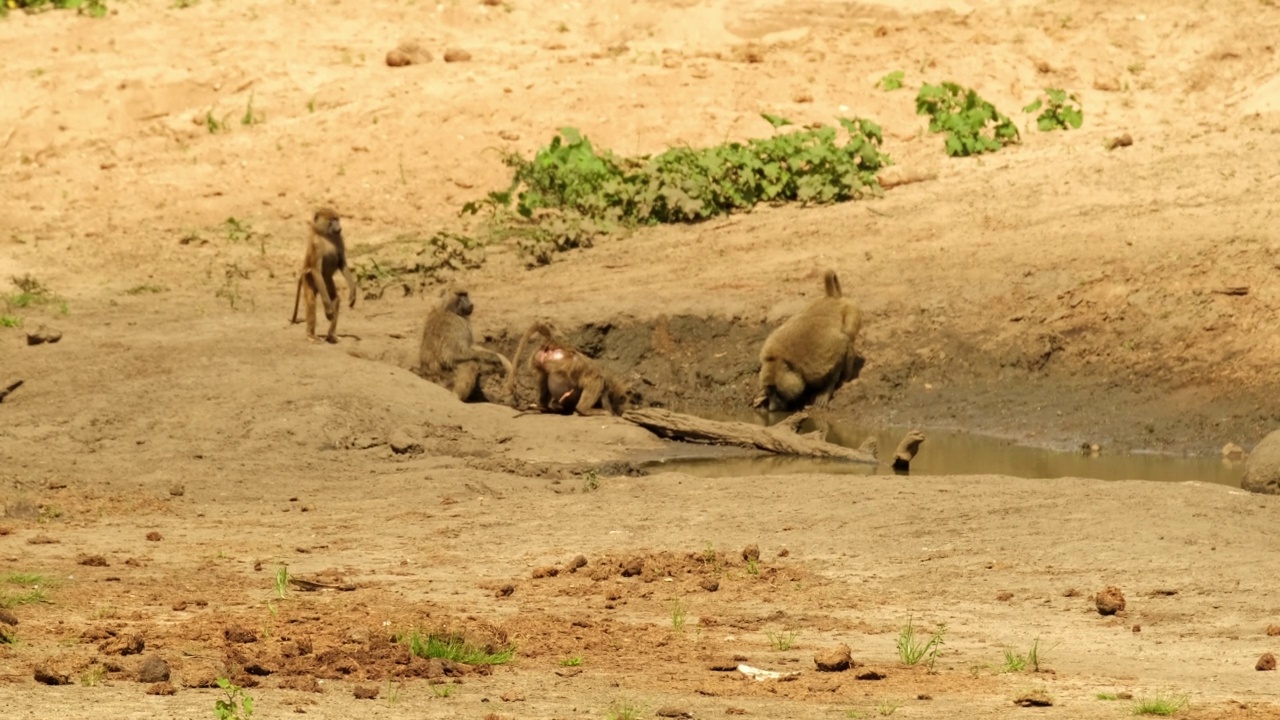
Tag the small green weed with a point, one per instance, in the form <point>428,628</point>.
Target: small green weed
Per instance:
<point>1061,110</point>
<point>1013,662</point>
<point>624,710</point>
<point>94,676</point>
<point>888,707</point>
<point>250,117</point>
<point>214,125</point>
<point>232,276</point>
<point>92,8</point>
<point>912,650</point>
<point>973,125</point>
<point>855,714</point>
<point>237,230</point>
<point>282,581</point>
<point>10,321</point>
<point>1160,705</point>
<point>892,81</point>
<point>34,589</point>
<point>1107,696</point>
<point>574,661</point>
<point>184,4</point>
<point>393,691</point>
<point>31,292</point>
<point>451,647</point>
<point>679,614</point>
<point>235,704</point>
<point>781,640</point>
<point>590,481</point>
<point>441,690</point>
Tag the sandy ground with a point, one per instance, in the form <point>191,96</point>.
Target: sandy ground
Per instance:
<point>1055,292</point>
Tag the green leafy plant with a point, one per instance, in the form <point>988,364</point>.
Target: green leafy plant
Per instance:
<point>452,647</point>
<point>892,81</point>
<point>1107,696</point>
<point>10,321</point>
<point>781,640</point>
<point>282,581</point>
<point>441,690</point>
<point>753,566</point>
<point>213,124</point>
<point>92,8</point>
<point>94,676</point>
<point>413,263</point>
<point>235,704</point>
<point>590,481</point>
<point>31,292</point>
<point>624,710</point>
<point>1061,110</point>
<point>573,661</point>
<point>972,125</point>
<point>1160,705</point>
<point>911,650</point>
<point>34,589</point>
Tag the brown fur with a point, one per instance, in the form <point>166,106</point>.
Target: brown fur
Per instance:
<point>567,380</point>
<point>326,254</point>
<point>448,347</point>
<point>811,355</point>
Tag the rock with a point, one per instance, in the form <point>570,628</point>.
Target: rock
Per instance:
<point>154,536</point>
<point>177,490</point>
<point>162,688</point>
<point>51,676</point>
<point>154,669</point>
<point>1266,662</point>
<point>1110,601</point>
<point>238,634</point>
<point>633,567</point>
<point>1036,698</point>
<point>408,53</point>
<point>545,571</point>
<point>1272,630</point>
<point>837,659</point>
<point>127,644</point>
<point>751,552</point>
<point>43,335</point>
<point>453,55</point>
<point>1232,451</point>
<point>710,585</point>
<point>578,561</point>
<point>363,692</point>
<point>512,696</point>
<point>673,712</point>
<point>92,561</point>
<point>871,675</point>
<point>403,444</point>
<point>8,618</point>
<point>1262,469</point>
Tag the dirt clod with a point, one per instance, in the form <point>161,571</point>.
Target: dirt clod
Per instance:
<point>1004,596</point>
<point>42,540</point>
<point>154,669</point>
<point>92,561</point>
<point>239,634</point>
<point>154,536</point>
<point>710,584</point>
<point>453,55</point>
<point>1273,630</point>
<point>365,692</point>
<point>162,688</point>
<point>43,335</point>
<point>751,553</point>
<point>836,659</point>
<point>871,675</point>
<point>401,443</point>
<point>125,644</point>
<point>545,571</point>
<point>1109,601</point>
<point>512,696</point>
<point>7,617</point>
<point>578,561</point>
<point>633,567</point>
<point>1036,698</point>
<point>408,53</point>
<point>50,676</point>
<point>673,712</point>
<point>505,591</point>
<point>177,490</point>
<point>1266,663</point>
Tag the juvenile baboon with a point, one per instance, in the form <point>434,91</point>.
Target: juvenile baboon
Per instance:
<point>811,354</point>
<point>906,451</point>
<point>567,380</point>
<point>448,348</point>
<point>326,254</point>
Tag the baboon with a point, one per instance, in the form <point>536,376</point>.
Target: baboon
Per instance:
<point>567,380</point>
<point>811,355</point>
<point>906,451</point>
<point>326,254</point>
<point>448,347</point>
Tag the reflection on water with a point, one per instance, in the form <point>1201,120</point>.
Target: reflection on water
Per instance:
<point>958,453</point>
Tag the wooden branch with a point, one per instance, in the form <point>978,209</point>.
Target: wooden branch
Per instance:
<point>5,392</point>
<point>781,439</point>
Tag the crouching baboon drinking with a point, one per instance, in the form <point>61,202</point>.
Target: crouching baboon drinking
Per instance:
<point>448,354</point>
<point>567,380</point>
<point>811,355</point>
<point>326,254</point>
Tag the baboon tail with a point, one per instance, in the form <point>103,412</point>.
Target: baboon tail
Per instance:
<point>297,295</point>
<point>832,284</point>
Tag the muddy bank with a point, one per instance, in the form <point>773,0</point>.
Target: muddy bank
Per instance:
<point>1030,392</point>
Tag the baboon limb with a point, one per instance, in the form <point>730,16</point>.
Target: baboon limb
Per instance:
<point>326,254</point>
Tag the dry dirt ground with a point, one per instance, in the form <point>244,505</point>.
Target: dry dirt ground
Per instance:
<point>183,442</point>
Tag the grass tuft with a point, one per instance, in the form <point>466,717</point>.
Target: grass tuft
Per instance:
<point>452,647</point>
<point>911,650</point>
<point>1160,705</point>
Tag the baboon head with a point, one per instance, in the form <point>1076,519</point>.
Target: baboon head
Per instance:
<point>457,301</point>
<point>325,222</point>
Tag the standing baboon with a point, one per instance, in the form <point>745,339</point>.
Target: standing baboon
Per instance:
<point>811,354</point>
<point>448,347</point>
<point>326,254</point>
<point>567,380</point>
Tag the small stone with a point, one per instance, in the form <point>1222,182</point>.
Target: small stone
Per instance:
<point>751,553</point>
<point>154,669</point>
<point>7,617</point>
<point>1266,662</point>
<point>43,335</point>
<point>1232,451</point>
<point>363,692</point>
<point>1262,469</point>
<point>1110,601</point>
<point>1136,628</point>
<point>710,584</point>
<point>871,675</point>
<point>673,712</point>
<point>408,53</point>
<point>578,561</point>
<point>633,567</point>
<point>453,55</point>
<point>402,444</point>
<point>837,659</point>
<point>92,561</point>
<point>1272,630</point>
<point>154,536</point>
<point>177,490</point>
<point>545,571</point>
<point>162,688</point>
<point>1037,698</point>
<point>128,644</point>
<point>512,696</point>
<point>1124,140</point>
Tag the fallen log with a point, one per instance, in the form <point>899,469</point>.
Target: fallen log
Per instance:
<point>782,439</point>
